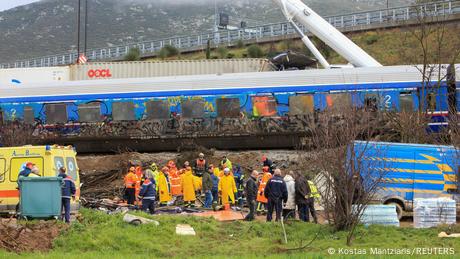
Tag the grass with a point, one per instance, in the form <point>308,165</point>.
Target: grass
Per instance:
<point>105,236</point>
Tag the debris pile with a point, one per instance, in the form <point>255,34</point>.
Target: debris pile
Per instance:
<point>28,238</point>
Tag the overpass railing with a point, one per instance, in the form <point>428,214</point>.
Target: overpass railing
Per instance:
<point>257,33</point>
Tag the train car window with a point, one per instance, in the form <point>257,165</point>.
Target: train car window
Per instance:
<point>123,111</point>
<point>431,101</point>
<point>157,110</point>
<point>371,102</point>
<point>90,112</point>
<point>406,102</point>
<point>18,164</point>
<point>192,109</point>
<point>301,104</point>
<point>56,113</point>
<point>228,107</point>
<point>264,106</point>
<point>2,169</point>
<point>338,101</point>
<point>29,116</point>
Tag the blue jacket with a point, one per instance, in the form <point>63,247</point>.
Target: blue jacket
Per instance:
<point>25,172</point>
<point>68,186</point>
<point>148,190</point>
<point>215,182</point>
<point>239,177</point>
<point>276,189</point>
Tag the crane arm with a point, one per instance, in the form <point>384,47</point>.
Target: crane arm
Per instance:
<point>298,11</point>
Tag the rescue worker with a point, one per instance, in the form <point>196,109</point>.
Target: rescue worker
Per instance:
<point>215,186</point>
<point>155,172</point>
<point>268,163</point>
<point>226,163</point>
<point>174,179</point>
<point>239,181</point>
<point>27,170</point>
<point>227,188</point>
<point>188,187</point>
<point>261,200</point>
<point>35,172</point>
<point>163,187</point>
<point>289,206</point>
<point>276,193</point>
<point>68,191</point>
<point>207,189</point>
<point>130,186</point>
<point>314,195</point>
<point>148,193</point>
<point>302,199</point>
<point>251,194</point>
<point>200,165</point>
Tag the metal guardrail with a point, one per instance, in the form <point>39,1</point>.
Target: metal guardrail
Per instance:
<point>230,37</point>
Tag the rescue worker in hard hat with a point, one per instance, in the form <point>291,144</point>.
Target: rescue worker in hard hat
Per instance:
<point>148,193</point>
<point>276,193</point>
<point>155,172</point>
<point>174,179</point>
<point>226,163</point>
<point>261,199</point>
<point>163,187</point>
<point>200,165</point>
<point>227,188</point>
<point>130,186</point>
<point>188,187</point>
<point>239,181</point>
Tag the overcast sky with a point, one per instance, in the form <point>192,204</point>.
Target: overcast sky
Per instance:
<point>8,4</point>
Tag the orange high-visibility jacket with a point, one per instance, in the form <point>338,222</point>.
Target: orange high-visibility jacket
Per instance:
<point>188,187</point>
<point>263,183</point>
<point>163,187</point>
<point>174,180</point>
<point>131,180</point>
<point>228,188</point>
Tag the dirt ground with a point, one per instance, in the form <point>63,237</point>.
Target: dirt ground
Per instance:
<point>36,237</point>
<point>102,175</point>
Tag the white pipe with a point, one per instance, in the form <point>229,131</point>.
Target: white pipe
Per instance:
<point>296,10</point>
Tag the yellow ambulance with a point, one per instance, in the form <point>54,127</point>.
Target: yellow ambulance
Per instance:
<point>48,159</point>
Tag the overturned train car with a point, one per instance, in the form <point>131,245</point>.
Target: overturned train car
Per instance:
<point>230,111</point>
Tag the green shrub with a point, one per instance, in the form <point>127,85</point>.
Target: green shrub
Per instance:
<point>371,38</point>
<point>230,55</point>
<point>222,52</point>
<point>255,51</point>
<point>168,51</point>
<point>134,54</point>
<point>240,44</point>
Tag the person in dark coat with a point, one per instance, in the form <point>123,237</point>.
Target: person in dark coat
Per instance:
<point>251,194</point>
<point>148,193</point>
<point>304,199</point>
<point>207,189</point>
<point>268,163</point>
<point>68,191</point>
<point>276,193</point>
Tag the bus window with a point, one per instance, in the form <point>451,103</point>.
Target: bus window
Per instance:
<point>228,107</point>
<point>2,169</point>
<point>71,167</point>
<point>29,116</point>
<point>19,163</point>
<point>264,106</point>
<point>301,104</point>
<point>431,101</point>
<point>56,113</point>
<point>192,109</point>
<point>157,110</point>
<point>123,111</point>
<point>406,102</point>
<point>58,163</point>
<point>90,112</point>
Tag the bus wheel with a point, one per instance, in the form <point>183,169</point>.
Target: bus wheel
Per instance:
<point>399,209</point>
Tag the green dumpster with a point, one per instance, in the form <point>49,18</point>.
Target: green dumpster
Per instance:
<point>40,197</point>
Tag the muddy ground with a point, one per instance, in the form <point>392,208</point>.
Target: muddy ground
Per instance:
<point>102,175</point>
<point>34,237</point>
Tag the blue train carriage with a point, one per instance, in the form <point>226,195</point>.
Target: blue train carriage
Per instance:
<point>254,95</point>
<point>404,172</point>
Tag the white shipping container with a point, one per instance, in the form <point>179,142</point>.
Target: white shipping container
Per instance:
<point>140,69</point>
<point>15,77</point>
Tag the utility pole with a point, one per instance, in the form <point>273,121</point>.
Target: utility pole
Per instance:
<point>86,26</point>
<point>216,22</point>
<point>78,29</point>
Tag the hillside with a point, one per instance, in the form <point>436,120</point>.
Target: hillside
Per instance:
<point>49,26</point>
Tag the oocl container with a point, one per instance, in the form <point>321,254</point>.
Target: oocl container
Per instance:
<point>139,69</point>
<point>15,77</point>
